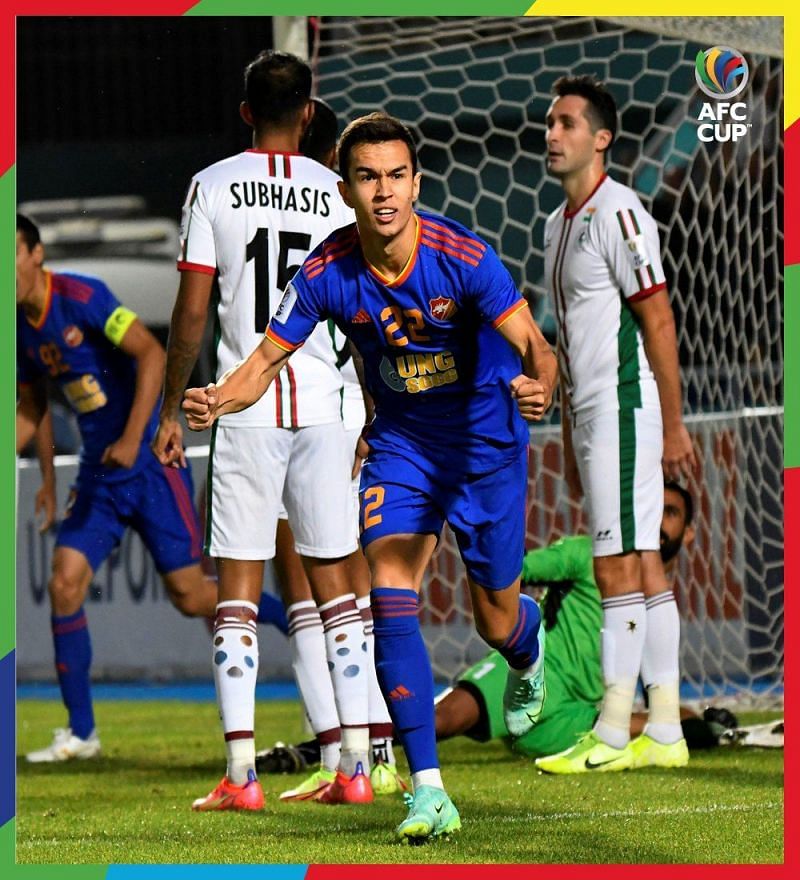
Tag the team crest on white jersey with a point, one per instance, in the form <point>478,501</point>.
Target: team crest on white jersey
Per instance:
<point>442,308</point>
<point>286,304</point>
<point>637,249</point>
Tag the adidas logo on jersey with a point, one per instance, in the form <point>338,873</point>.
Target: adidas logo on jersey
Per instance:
<point>361,317</point>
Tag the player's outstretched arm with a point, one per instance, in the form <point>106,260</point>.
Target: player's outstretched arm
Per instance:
<point>661,344</point>
<point>533,389</point>
<point>239,388</point>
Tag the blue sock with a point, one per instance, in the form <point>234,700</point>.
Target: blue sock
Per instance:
<point>271,610</point>
<point>404,673</point>
<point>73,650</point>
<point>521,648</point>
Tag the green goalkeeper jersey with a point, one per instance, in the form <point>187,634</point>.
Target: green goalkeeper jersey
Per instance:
<point>573,617</point>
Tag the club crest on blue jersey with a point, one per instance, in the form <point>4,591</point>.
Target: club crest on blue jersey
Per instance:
<point>73,336</point>
<point>442,308</point>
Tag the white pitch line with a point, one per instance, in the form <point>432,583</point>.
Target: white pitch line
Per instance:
<point>638,814</point>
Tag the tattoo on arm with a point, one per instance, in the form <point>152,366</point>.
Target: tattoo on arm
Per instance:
<point>181,358</point>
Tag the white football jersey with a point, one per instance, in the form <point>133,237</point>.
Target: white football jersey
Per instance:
<point>252,219</point>
<point>598,259</point>
<point>354,413</point>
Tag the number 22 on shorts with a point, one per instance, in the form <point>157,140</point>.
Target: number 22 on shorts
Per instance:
<point>373,499</point>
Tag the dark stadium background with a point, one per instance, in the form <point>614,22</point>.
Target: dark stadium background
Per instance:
<point>89,125</point>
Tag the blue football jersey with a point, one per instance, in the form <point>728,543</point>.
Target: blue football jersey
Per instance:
<point>435,364</point>
<point>75,343</point>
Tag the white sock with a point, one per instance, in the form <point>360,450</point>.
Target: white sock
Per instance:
<point>427,777</point>
<point>381,729</point>
<point>347,660</point>
<point>355,750</point>
<point>624,622</point>
<point>660,669</point>
<point>310,665</point>
<point>235,665</point>
<point>330,754</point>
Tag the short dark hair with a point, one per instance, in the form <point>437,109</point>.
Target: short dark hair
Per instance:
<point>375,128</point>
<point>29,231</point>
<point>319,139</point>
<point>688,503</point>
<point>602,109</point>
<point>277,86</point>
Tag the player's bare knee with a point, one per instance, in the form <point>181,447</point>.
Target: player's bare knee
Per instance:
<point>66,591</point>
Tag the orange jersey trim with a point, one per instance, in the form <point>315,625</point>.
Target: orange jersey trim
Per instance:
<point>410,262</point>
<point>511,310</point>
<point>459,255</point>
<point>183,266</point>
<point>436,230</point>
<point>331,251</point>
<point>48,302</point>
<point>281,343</point>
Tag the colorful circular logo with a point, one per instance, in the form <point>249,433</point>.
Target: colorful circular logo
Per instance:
<point>721,72</point>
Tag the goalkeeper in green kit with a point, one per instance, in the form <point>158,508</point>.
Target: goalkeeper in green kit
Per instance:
<point>573,618</point>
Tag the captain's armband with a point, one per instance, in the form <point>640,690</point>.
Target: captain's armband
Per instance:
<point>118,324</point>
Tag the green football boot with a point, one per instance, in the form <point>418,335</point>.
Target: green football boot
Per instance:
<point>431,814</point>
<point>589,755</point>
<point>523,699</point>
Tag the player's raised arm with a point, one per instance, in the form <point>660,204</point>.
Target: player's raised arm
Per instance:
<point>533,389</point>
<point>239,388</point>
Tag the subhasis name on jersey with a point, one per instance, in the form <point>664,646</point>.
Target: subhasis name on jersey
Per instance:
<point>259,193</point>
<point>723,121</point>
<point>419,371</point>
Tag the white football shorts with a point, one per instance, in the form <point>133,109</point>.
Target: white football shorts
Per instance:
<point>254,472</point>
<point>619,461</point>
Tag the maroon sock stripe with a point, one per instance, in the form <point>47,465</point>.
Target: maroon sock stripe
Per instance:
<point>239,734</point>
<point>338,608</point>
<point>329,737</point>
<point>295,628</point>
<point>340,621</point>
<point>384,730</point>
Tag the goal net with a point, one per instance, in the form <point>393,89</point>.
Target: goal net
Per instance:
<point>475,91</point>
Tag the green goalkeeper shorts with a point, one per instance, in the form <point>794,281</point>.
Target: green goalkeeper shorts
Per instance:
<point>562,721</point>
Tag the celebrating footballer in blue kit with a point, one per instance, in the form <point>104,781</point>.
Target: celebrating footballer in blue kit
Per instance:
<point>73,331</point>
<point>456,365</point>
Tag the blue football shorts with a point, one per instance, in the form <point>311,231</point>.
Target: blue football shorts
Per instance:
<point>485,511</point>
<point>156,502</point>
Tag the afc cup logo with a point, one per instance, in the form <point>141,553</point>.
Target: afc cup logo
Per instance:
<point>721,72</point>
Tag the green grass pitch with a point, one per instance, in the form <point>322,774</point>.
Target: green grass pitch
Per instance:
<point>132,805</point>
